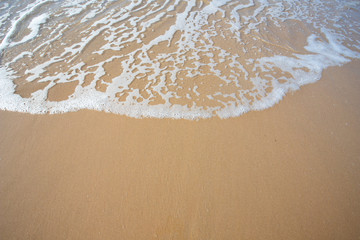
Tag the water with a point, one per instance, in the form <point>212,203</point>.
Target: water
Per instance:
<point>174,59</point>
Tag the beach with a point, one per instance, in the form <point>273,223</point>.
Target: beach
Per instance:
<point>175,119</point>
<point>288,172</point>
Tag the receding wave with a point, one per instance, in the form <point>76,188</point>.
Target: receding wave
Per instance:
<point>171,58</point>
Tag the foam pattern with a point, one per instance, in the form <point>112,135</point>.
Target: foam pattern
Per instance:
<point>170,58</point>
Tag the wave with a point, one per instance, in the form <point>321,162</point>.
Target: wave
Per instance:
<point>171,58</point>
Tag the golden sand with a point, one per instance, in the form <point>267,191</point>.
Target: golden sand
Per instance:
<point>289,172</point>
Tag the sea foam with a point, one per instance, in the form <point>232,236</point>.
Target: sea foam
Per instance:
<point>168,59</point>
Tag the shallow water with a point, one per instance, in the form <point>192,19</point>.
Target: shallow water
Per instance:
<point>176,59</point>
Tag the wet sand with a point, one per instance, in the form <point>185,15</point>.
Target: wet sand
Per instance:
<point>289,172</point>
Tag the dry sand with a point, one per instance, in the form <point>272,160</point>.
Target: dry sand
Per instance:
<point>289,172</point>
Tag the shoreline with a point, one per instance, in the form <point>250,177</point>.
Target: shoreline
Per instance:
<point>287,172</point>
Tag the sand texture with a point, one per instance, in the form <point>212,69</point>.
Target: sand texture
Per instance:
<point>289,172</point>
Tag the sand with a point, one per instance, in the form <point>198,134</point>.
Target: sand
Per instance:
<point>289,172</point>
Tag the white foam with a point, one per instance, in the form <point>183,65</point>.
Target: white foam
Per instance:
<point>15,23</point>
<point>219,3</point>
<point>196,49</point>
<point>34,26</point>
